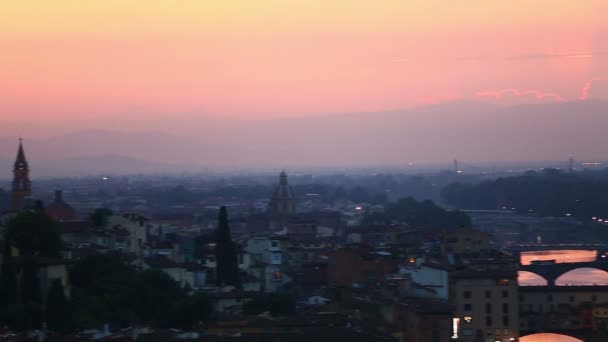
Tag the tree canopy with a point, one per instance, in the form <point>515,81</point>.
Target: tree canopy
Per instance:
<point>547,193</point>
<point>420,214</point>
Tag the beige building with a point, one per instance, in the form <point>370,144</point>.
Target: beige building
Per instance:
<point>137,226</point>
<point>465,241</point>
<point>563,307</point>
<point>485,298</point>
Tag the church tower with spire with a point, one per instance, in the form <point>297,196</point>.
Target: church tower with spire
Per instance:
<point>22,186</point>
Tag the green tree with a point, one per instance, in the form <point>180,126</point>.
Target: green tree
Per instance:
<point>30,282</point>
<point>101,291</point>
<point>152,295</point>
<point>57,310</point>
<point>190,311</point>
<point>8,278</point>
<point>35,234</point>
<point>99,217</point>
<point>277,304</point>
<point>227,270</point>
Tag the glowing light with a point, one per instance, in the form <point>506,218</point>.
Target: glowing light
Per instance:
<point>455,325</point>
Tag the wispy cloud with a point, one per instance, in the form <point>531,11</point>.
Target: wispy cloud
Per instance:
<point>554,55</point>
<point>588,86</point>
<point>512,92</point>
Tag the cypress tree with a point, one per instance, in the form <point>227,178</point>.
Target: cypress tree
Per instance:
<point>227,270</point>
<point>57,314</point>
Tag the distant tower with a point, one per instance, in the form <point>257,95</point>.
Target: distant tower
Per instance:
<point>571,164</point>
<point>22,187</point>
<point>456,166</point>
<point>283,200</point>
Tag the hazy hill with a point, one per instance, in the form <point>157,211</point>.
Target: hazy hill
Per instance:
<point>469,131</point>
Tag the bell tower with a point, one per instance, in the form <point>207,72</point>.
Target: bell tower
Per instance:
<point>22,187</point>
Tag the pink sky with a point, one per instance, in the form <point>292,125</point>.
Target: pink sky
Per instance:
<point>68,65</point>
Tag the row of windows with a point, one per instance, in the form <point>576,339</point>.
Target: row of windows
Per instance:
<point>550,298</point>
<point>489,332</point>
<point>487,294</point>
<point>469,307</point>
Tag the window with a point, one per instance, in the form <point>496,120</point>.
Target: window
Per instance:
<point>593,298</point>
<point>571,299</point>
<point>505,321</point>
<point>488,294</point>
<point>489,321</point>
<point>467,332</point>
<point>488,308</point>
<point>549,298</point>
<point>505,308</point>
<point>540,308</point>
<point>505,294</point>
<point>467,294</point>
<point>468,307</point>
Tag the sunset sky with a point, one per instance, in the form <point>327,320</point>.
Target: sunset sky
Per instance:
<point>67,64</point>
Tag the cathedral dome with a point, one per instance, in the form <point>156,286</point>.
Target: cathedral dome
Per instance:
<point>59,209</point>
<point>283,199</point>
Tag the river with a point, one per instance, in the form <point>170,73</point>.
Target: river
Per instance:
<point>583,276</point>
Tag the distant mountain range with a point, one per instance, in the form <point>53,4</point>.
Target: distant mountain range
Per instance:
<point>469,131</point>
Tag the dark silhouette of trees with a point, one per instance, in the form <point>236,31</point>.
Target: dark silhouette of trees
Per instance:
<point>99,217</point>
<point>190,311</point>
<point>277,304</point>
<point>8,278</point>
<point>36,238</point>
<point>547,193</point>
<point>34,234</point>
<point>105,290</point>
<point>420,214</point>
<point>152,294</point>
<point>57,311</point>
<point>226,253</point>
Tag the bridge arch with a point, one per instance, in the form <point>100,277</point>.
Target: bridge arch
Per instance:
<point>549,337</point>
<point>583,276</point>
<point>527,278</point>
